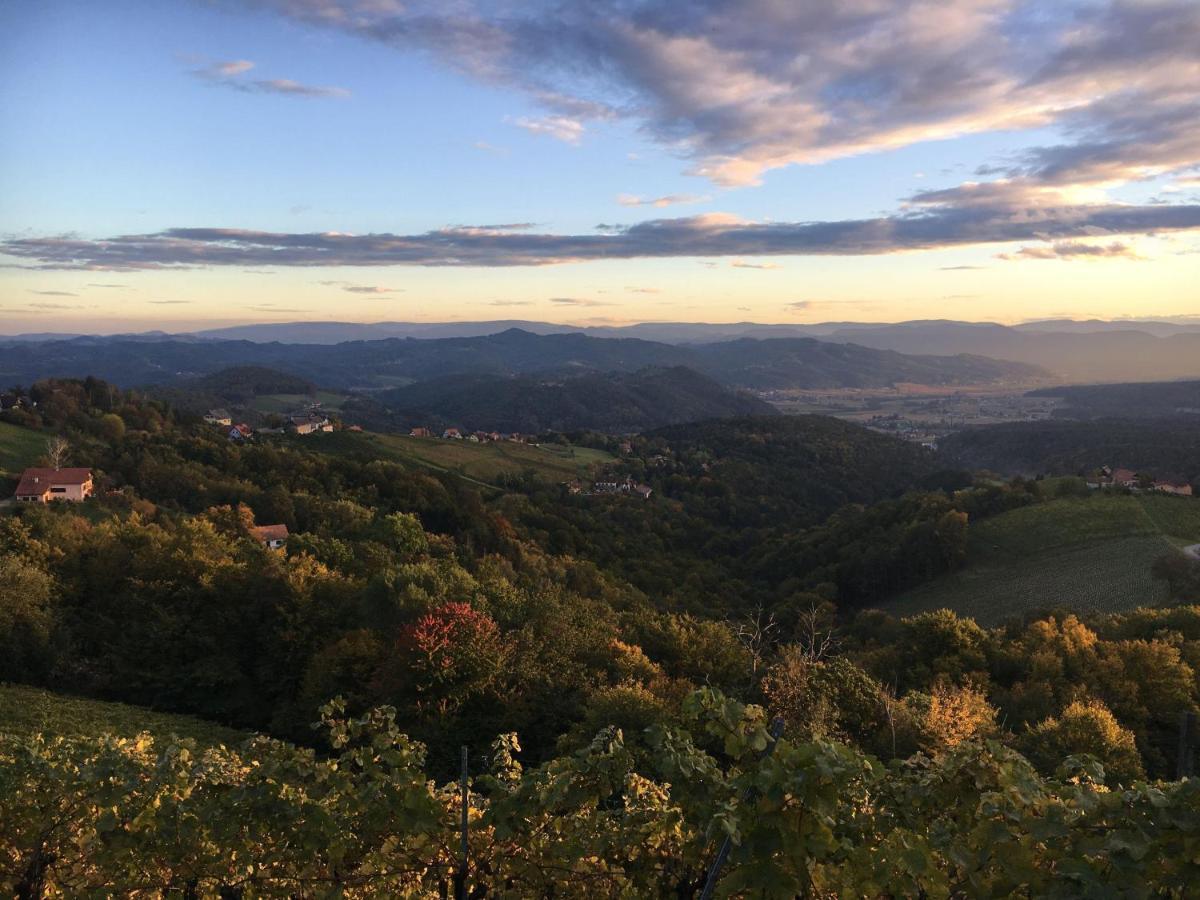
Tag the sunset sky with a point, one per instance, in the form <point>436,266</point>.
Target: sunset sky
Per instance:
<point>176,164</point>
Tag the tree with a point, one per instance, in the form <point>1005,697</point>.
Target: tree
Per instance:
<point>1085,726</point>
<point>57,450</point>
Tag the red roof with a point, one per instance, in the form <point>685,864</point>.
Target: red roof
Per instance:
<point>270,532</point>
<point>37,481</point>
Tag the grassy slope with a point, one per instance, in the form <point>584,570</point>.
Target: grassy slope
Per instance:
<point>19,447</point>
<point>481,462</point>
<point>27,710</point>
<point>1091,553</point>
<point>290,403</point>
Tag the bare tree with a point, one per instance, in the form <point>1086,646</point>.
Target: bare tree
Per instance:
<point>815,633</point>
<point>57,449</point>
<point>758,633</point>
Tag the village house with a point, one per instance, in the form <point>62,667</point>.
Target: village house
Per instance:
<point>1124,478</point>
<point>452,434</point>
<point>309,423</point>
<point>1179,488</point>
<point>274,537</point>
<point>241,432</point>
<point>39,485</point>
<point>218,417</point>
<point>10,401</point>
<point>420,432</point>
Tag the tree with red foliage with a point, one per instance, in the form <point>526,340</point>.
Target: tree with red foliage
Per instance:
<point>448,655</point>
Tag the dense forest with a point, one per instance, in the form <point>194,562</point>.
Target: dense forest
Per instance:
<point>613,402</point>
<point>1163,448</point>
<point>1144,400</point>
<point>614,665</point>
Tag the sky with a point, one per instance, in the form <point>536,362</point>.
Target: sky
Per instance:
<point>179,164</point>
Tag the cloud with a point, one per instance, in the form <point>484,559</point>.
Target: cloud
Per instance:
<point>668,200</point>
<point>54,306</point>
<point>1073,250</point>
<point>54,293</point>
<point>95,285</point>
<point>740,264</point>
<point>961,268</point>
<point>229,74</point>
<point>561,128</point>
<point>950,221</point>
<point>643,290</point>
<point>575,301</point>
<point>269,308</point>
<point>169,302</point>
<point>738,89</point>
<point>370,289</point>
<point>509,302</point>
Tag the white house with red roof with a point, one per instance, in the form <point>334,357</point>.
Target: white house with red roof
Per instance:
<point>40,485</point>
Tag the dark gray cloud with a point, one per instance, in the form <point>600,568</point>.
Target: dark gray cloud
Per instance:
<point>949,222</point>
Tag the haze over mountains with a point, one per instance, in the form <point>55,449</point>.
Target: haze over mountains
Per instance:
<point>371,365</point>
<point>1070,351</point>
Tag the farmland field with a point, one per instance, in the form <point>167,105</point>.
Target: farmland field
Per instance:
<point>479,462</point>
<point>26,710</point>
<point>289,403</point>
<point>19,447</point>
<point>1089,554</point>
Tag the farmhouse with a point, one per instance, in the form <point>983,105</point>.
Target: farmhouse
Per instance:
<point>452,434</point>
<point>9,401</point>
<point>272,536</point>
<point>420,432</point>
<point>241,432</point>
<point>309,423</point>
<point>1124,478</point>
<point>1179,488</point>
<point>44,485</point>
<point>218,417</point>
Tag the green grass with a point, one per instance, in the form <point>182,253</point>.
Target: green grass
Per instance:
<point>27,710</point>
<point>479,462</point>
<point>290,403</point>
<point>1088,554</point>
<point>19,448</point>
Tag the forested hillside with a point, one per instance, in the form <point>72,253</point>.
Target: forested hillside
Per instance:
<point>1151,400</point>
<point>615,402</point>
<point>1166,448</point>
<point>611,662</point>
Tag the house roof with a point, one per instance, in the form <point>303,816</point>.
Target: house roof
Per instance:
<point>218,413</point>
<point>270,532</point>
<point>39,480</point>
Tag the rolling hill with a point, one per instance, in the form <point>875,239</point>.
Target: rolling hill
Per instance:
<point>616,403</point>
<point>1091,553</point>
<point>1161,447</point>
<point>1145,400</point>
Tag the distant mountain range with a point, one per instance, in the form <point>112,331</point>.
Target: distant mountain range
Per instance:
<point>391,363</point>
<point>1073,351</point>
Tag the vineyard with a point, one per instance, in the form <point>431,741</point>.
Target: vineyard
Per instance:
<point>28,710</point>
<point>638,814</point>
<point>1085,554</point>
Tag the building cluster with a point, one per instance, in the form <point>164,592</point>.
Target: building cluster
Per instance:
<point>308,422</point>
<point>474,437</point>
<point>610,487</point>
<point>1106,477</point>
